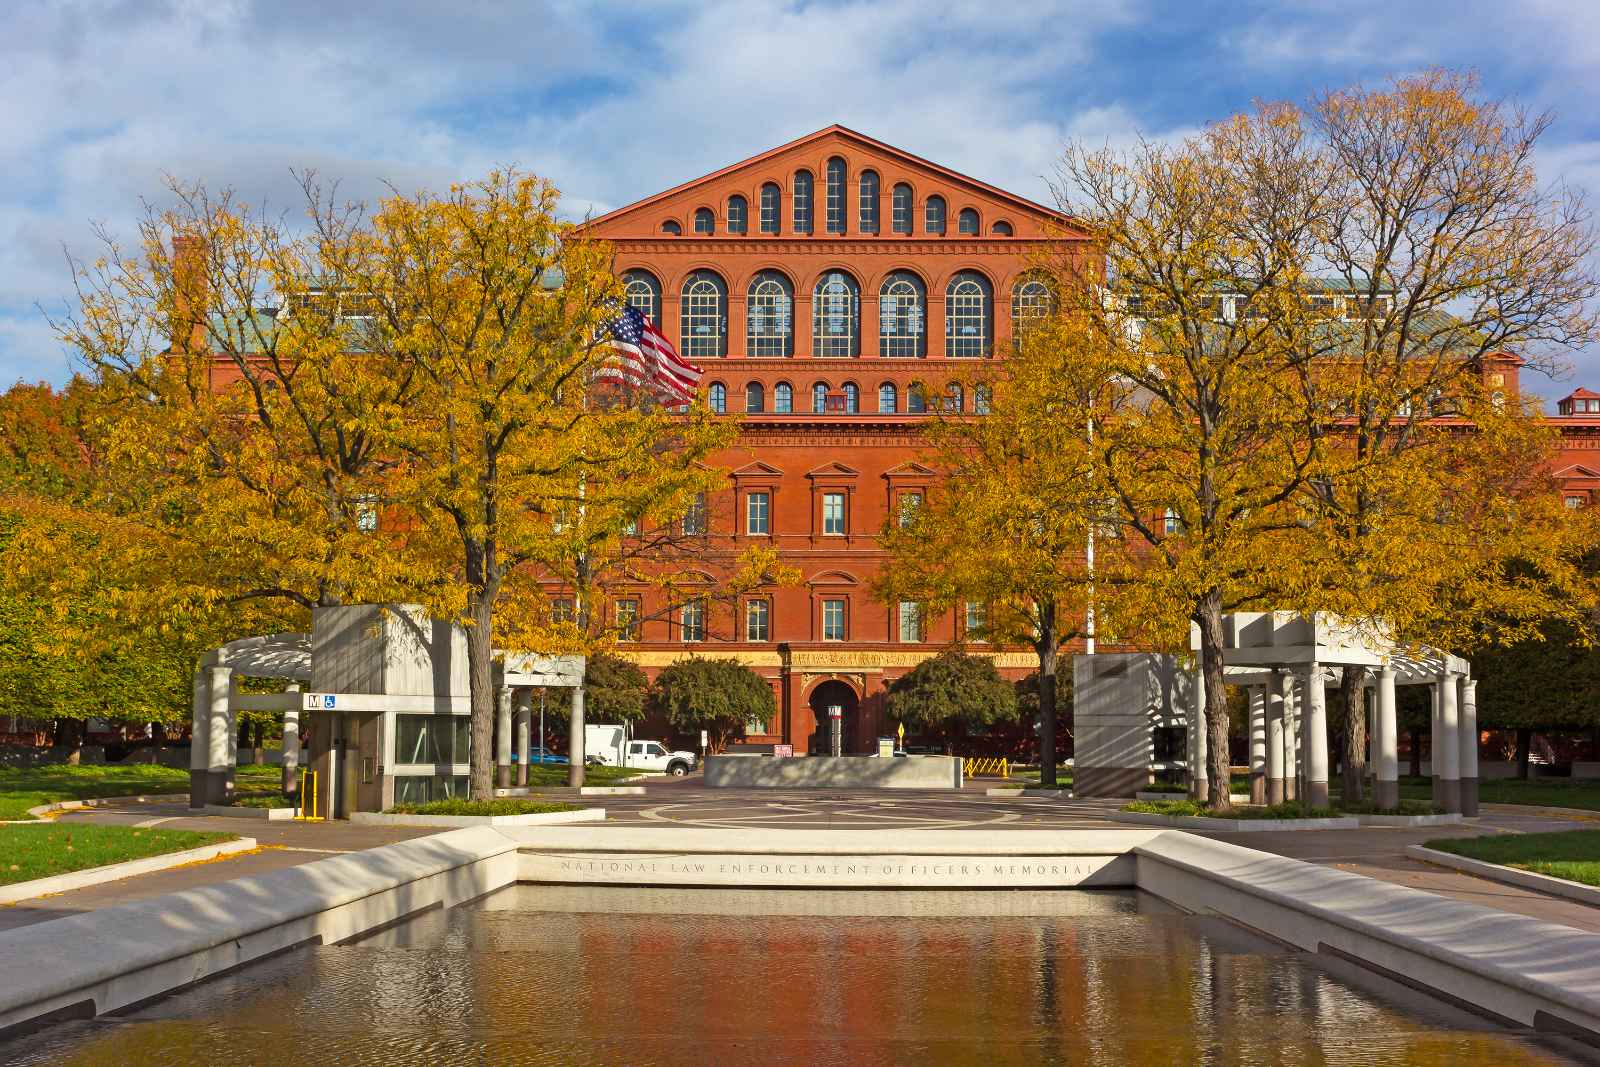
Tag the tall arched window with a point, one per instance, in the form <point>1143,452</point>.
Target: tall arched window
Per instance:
<point>901,305</point>
<point>1031,302</point>
<point>953,397</point>
<point>916,399</point>
<point>836,175</point>
<point>802,201</point>
<point>836,316</point>
<point>980,400</point>
<point>934,220</point>
<point>902,209</point>
<point>869,201</point>
<point>771,207</point>
<point>704,221</point>
<point>703,315</point>
<point>967,330</point>
<point>738,214</point>
<point>642,291</point>
<point>852,398</point>
<point>769,317</point>
<point>755,398</point>
<point>717,398</point>
<point>888,399</point>
<point>671,228</point>
<point>967,221</point>
<point>819,397</point>
<point>782,398</point>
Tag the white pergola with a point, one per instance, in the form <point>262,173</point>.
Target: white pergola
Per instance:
<point>1287,660</point>
<point>213,751</point>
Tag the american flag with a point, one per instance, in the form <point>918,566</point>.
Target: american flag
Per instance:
<point>644,357</point>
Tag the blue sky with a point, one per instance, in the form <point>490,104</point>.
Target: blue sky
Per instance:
<point>615,102</point>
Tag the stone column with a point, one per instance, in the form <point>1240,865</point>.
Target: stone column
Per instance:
<point>1275,739</point>
<point>1433,745</point>
<point>522,701</point>
<point>1291,737</point>
<point>200,739</point>
<point>1386,792</point>
<point>221,742</point>
<point>575,739</point>
<point>291,746</point>
<point>502,736</point>
<point>1199,786</point>
<point>1447,745</point>
<point>1258,745</point>
<point>1315,730</point>
<point>1469,746</point>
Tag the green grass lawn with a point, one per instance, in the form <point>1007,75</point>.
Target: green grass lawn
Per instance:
<point>499,806</point>
<point>1540,792</point>
<point>1571,854</point>
<point>29,852</point>
<point>1290,810</point>
<point>556,774</point>
<point>22,788</point>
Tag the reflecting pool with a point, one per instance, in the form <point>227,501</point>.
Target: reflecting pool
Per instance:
<point>555,976</point>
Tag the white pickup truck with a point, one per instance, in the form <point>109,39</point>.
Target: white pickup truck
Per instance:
<point>604,743</point>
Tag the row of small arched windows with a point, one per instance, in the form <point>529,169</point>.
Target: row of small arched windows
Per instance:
<point>902,208</point>
<point>847,398</point>
<point>836,313</point>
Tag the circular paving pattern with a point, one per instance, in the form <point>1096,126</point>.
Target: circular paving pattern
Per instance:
<point>766,809</point>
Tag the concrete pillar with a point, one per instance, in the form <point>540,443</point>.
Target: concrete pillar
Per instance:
<point>200,739</point>
<point>1386,793</point>
<point>522,702</point>
<point>221,741</point>
<point>291,747</point>
<point>1433,745</point>
<point>575,738</point>
<point>502,736</point>
<point>1314,728</point>
<point>1291,737</point>
<point>1447,745</point>
<point>1275,739</point>
<point>1199,786</point>
<point>1258,745</point>
<point>1469,747</point>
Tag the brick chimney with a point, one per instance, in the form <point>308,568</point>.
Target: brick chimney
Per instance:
<point>189,294</point>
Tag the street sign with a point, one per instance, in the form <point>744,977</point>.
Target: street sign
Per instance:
<point>704,739</point>
<point>783,750</point>
<point>835,712</point>
<point>886,747</point>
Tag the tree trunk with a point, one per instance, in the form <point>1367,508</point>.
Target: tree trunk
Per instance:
<point>1218,765</point>
<point>1354,762</point>
<point>1047,647</point>
<point>1415,770</point>
<point>1524,751</point>
<point>480,675</point>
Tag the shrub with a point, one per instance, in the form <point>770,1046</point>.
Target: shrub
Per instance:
<point>499,806</point>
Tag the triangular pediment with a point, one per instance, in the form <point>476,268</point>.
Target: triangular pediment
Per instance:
<point>833,470</point>
<point>645,218</point>
<point>1577,470</point>
<point>910,469</point>
<point>758,470</point>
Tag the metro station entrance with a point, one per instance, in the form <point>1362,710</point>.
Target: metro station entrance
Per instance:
<point>830,694</point>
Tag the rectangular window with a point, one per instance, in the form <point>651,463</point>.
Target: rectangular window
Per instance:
<point>909,503</point>
<point>627,620</point>
<point>975,618</point>
<point>435,739</point>
<point>1574,502</point>
<point>757,508</point>
<point>367,513</point>
<point>561,609</point>
<point>833,620</point>
<point>694,520</point>
<point>833,514</point>
<point>910,621</point>
<point>694,621</point>
<point>1170,523</point>
<point>756,616</point>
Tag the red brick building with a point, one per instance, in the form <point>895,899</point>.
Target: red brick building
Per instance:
<point>833,289</point>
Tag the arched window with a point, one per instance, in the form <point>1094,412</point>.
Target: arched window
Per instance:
<point>782,398</point>
<point>836,316</point>
<point>704,221</point>
<point>802,201</point>
<point>642,291</point>
<point>769,317</point>
<point>755,398</point>
<point>966,315</point>
<point>1031,301</point>
<point>819,397</point>
<point>916,399</point>
<point>869,201</point>
<point>852,398</point>
<point>738,214</point>
<point>671,227</point>
<point>934,221</point>
<point>980,399</point>
<point>888,399</point>
<point>717,398</point>
<point>953,397</point>
<point>836,195</point>
<point>967,221</point>
<point>1001,229</point>
<point>703,315</point>
<point>901,305</point>
<point>902,209</point>
<point>771,207</point>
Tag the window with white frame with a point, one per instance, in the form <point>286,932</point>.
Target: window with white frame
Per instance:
<point>833,620</point>
<point>705,223</point>
<point>628,619</point>
<point>906,507</point>
<point>771,207</point>
<point>869,201</point>
<point>783,398</point>
<point>693,621</point>
<point>902,303</point>
<point>757,619</point>
<point>888,398</point>
<point>643,292</point>
<point>910,621</point>
<point>717,398</point>
<point>819,398</point>
<point>933,220</point>
<point>835,194</point>
<point>801,205</point>
<point>852,398</point>
<point>754,398</point>
<point>902,207</point>
<point>738,214</point>
<point>967,328</point>
<point>769,314</point>
<point>704,315</point>
<point>836,315</point>
<point>833,514</point>
<point>975,618</point>
<point>967,222</point>
<point>694,520</point>
<point>758,517</point>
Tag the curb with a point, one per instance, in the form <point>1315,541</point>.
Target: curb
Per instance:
<point>95,802</point>
<point>1026,791</point>
<point>230,811</point>
<point>1238,826</point>
<point>1495,872</point>
<point>1444,819</point>
<point>373,818</point>
<point>1157,797</point>
<point>115,872</point>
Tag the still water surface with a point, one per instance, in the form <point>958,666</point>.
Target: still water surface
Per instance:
<point>539,975</point>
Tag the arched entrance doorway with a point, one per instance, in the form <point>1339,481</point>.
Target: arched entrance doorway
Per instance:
<point>828,694</point>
